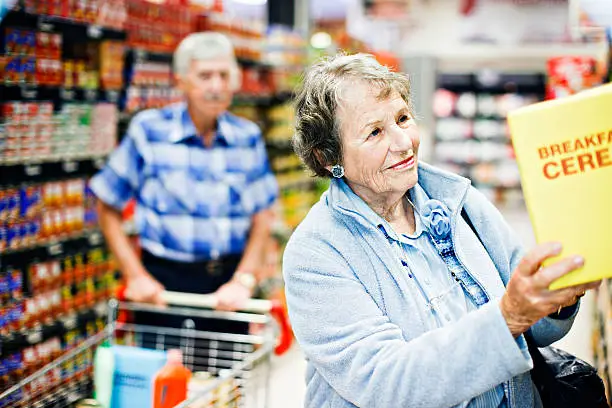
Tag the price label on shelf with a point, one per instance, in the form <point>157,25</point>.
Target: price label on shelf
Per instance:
<point>44,25</point>
<point>112,96</point>
<point>94,31</point>
<point>73,397</point>
<point>95,238</point>
<point>91,95</point>
<point>32,170</point>
<point>70,166</point>
<point>67,94</point>
<point>140,55</point>
<point>34,336</point>
<point>101,309</point>
<point>69,322</point>
<point>55,249</point>
<point>98,163</point>
<point>28,93</point>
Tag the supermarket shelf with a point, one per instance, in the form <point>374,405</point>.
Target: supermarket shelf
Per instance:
<point>34,92</point>
<point>54,248</point>
<point>519,57</point>
<point>303,184</point>
<point>492,82</point>
<point>284,146</point>
<point>249,63</point>
<point>16,341</point>
<point>69,28</point>
<point>289,169</point>
<point>259,100</point>
<point>142,54</point>
<point>39,171</point>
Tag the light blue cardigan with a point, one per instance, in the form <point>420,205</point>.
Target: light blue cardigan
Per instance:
<point>365,338</point>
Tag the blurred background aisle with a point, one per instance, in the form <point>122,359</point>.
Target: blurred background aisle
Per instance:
<point>76,72</point>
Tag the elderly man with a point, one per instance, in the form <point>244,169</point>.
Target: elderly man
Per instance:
<point>202,184</point>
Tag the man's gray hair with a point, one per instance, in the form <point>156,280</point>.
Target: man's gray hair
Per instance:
<point>206,45</point>
<point>317,130</point>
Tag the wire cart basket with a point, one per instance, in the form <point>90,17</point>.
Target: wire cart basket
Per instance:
<point>230,370</point>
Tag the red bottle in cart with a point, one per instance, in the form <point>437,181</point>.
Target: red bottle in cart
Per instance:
<point>171,381</point>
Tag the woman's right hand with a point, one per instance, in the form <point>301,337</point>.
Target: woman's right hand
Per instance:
<point>144,289</point>
<point>528,299</point>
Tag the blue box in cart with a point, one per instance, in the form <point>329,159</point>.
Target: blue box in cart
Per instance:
<point>135,370</point>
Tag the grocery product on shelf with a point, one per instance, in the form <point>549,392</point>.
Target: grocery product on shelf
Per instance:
<point>46,307</point>
<point>471,133</point>
<point>568,75</point>
<point>157,27</point>
<point>33,213</point>
<point>150,86</point>
<point>247,35</point>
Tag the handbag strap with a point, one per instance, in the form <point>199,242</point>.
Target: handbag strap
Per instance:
<point>533,348</point>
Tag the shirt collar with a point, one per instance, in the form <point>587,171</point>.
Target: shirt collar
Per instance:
<point>183,127</point>
<point>417,195</point>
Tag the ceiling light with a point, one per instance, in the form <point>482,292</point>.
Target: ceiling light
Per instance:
<point>320,40</point>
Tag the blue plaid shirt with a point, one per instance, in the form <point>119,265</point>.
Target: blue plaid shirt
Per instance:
<point>192,202</point>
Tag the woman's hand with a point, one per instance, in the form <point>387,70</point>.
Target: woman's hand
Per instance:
<point>527,298</point>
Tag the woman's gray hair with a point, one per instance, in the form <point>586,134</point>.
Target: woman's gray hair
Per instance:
<point>205,45</point>
<point>317,130</point>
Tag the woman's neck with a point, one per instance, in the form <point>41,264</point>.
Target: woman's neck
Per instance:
<point>397,212</point>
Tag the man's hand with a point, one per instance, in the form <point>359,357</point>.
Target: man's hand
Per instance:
<point>144,289</point>
<point>232,296</point>
<point>528,299</point>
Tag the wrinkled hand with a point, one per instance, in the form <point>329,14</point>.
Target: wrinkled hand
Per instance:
<point>232,296</point>
<point>527,298</point>
<point>144,289</point>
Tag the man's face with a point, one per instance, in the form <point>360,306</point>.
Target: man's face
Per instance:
<point>207,85</point>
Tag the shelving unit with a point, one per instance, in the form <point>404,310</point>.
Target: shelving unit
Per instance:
<point>55,271</point>
<point>58,123</point>
<point>471,135</point>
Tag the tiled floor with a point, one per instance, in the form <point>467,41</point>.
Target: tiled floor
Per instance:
<point>287,384</point>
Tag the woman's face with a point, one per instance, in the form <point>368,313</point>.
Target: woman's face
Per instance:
<point>380,141</point>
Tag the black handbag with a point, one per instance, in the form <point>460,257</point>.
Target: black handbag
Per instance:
<point>565,381</point>
<point>562,379</point>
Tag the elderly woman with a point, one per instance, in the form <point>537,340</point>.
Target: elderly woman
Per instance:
<point>405,286</point>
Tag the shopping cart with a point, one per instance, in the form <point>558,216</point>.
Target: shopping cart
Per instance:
<point>237,365</point>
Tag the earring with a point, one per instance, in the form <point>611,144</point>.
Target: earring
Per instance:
<point>337,171</point>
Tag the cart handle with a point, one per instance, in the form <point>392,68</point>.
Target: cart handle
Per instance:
<point>260,306</point>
